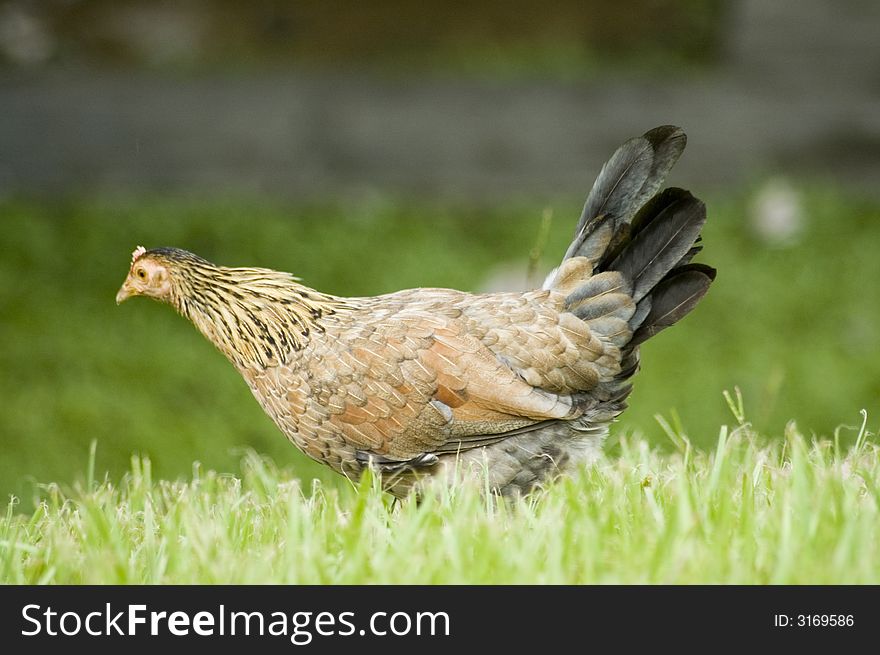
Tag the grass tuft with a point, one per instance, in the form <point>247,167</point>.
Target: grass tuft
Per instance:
<point>747,512</point>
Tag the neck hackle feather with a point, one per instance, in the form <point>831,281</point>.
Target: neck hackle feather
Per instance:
<point>257,317</point>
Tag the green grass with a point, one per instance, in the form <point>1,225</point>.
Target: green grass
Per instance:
<point>745,512</point>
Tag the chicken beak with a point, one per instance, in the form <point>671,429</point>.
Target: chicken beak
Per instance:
<point>125,292</point>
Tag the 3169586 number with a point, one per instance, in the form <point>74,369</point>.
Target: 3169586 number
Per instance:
<point>824,620</point>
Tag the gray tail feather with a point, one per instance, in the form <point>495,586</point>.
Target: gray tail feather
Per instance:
<point>663,241</point>
<point>649,238</point>
<point>635,172</point>
<point>676,295</point>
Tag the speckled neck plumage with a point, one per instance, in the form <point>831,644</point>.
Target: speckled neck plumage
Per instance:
<point>255,316</point>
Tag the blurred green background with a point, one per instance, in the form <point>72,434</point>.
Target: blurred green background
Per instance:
<point>89,168</point>
<point>492,36</point>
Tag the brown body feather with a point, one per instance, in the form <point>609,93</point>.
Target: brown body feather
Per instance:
<point>426,384</point>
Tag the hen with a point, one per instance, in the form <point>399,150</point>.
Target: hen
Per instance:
<point>428,384</point>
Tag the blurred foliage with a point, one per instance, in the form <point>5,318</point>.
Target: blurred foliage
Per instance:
<point>564,37</point>
<point>793,326</point>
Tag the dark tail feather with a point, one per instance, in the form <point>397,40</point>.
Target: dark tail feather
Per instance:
<point>654,206</point>
<point>673,298</point>
<point>639,242</point>
<point>661,244</point>
<point>668,142</point>
<point>633,174</point>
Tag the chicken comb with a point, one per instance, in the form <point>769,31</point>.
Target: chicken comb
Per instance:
<point>140,250</point>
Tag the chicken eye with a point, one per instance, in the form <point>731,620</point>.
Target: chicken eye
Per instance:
<point>141,273</point>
